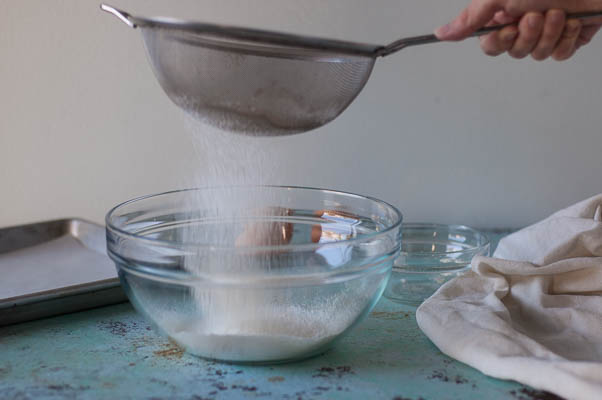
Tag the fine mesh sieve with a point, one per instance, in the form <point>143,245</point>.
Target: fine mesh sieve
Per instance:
<point>259,82</point>
<point>259,90</point>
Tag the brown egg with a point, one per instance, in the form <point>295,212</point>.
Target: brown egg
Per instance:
<point>316,233</point>
<point>259,234</point>
<point>335,214</point>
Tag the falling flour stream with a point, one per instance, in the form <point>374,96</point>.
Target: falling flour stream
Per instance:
<point>245,324</point>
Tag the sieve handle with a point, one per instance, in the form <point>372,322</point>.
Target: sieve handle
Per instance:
<point>424,39</point>
<point>122,15</point>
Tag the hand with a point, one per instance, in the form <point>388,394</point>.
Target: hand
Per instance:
<point>542,29</point>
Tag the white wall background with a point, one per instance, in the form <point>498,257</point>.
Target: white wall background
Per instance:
<point>443,132</point>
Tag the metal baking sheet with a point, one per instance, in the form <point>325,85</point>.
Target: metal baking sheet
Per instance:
<point>54,267</point>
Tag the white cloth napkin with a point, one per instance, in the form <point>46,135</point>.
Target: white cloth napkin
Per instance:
<point>533,312</point>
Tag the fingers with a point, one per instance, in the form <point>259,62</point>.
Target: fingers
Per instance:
<point>552,31</point>
<point>530,29</point>
<point>567,45</point>
<point>500,42</point>
<point>538,35</point>
<point>502,18</point>
<point>587,34</point>
<point>475,16</point>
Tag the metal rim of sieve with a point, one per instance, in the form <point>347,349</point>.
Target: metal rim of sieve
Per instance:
<point>249,35</point>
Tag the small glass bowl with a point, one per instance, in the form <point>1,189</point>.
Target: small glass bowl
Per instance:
<point>265,285</point>
<point>432,254</point>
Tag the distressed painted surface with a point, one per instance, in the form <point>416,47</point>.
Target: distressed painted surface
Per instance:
<point>112,352</point>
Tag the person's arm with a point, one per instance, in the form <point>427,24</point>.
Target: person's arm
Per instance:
<point>542,29</point>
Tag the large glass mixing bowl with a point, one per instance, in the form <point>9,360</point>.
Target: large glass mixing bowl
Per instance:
<point>266,284</point>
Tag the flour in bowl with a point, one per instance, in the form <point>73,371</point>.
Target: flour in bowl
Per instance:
<point>288,333</point>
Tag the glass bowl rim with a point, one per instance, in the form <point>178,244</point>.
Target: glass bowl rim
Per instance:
<point>452,227</point>
<point>305,246</point>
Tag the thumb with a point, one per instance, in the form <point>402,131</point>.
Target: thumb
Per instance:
<point>475,16</point>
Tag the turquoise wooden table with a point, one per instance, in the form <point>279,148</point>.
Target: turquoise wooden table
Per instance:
<point>112,353</point>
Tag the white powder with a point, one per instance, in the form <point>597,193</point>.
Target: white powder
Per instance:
<point>236,316</point>
<point>250,325</point>
<point>287,332</point>
<point>263,346</point>
<point>246,324</point>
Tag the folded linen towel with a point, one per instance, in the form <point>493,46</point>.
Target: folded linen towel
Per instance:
<point>532,312</point>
